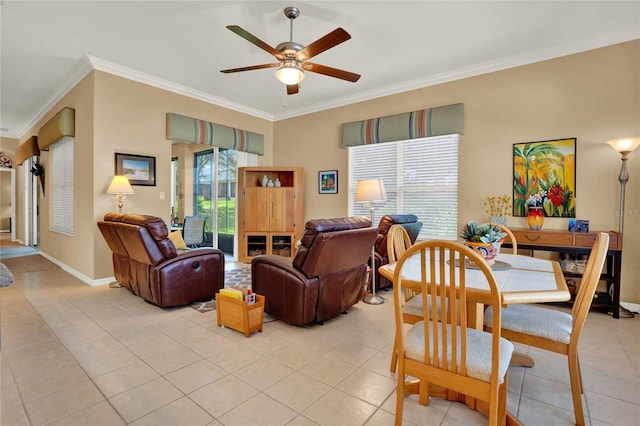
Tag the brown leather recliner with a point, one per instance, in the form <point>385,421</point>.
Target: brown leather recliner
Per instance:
<point>410,223</point>
<point>325,278</point>
<point>146,262</point>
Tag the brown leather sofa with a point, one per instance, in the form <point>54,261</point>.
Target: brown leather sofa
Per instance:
<point>410,223</point>
<point>325,278</point>
<point>146,262</point>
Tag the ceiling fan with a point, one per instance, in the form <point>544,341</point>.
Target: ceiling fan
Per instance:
<point>293,57</point>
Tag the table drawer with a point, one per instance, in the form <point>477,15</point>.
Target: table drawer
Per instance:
<point>543,238</point>
<point>587,240</point>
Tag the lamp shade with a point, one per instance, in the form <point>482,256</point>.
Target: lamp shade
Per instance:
<point>120,185</point>
<point>625,145</point>
<point>290,73</point>
<point>370,191</point>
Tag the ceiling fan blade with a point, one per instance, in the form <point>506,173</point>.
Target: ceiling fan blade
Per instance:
<point>255,40</point>
<point>332,39</point>
<point>292,89</point>
<point>253,67</point>
<point>331,72</point>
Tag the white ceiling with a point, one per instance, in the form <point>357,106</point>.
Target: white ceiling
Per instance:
<point>47,47</point>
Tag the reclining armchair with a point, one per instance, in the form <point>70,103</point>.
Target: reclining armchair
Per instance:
<point>324,279</point>
<point>410,223</point>
<point>146,262</point>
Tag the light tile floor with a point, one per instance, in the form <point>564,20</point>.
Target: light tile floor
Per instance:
<point>79,355</point>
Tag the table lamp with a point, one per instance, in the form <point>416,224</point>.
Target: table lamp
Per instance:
<point>371,191</point>
<point>119,187</point>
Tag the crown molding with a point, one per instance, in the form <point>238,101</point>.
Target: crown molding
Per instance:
<point>89,63</point>
<point>140,77</point>
<point>526,58</point>
<point>78,72</point>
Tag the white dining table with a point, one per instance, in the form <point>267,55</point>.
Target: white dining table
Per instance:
<point>520,279</point>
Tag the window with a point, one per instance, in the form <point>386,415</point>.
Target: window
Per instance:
<point>420,177</point>
<point>62,185</point>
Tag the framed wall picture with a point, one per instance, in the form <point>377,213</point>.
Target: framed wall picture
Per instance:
<point>328,182</point>
<point>544,175</point>
<point>139,169</point>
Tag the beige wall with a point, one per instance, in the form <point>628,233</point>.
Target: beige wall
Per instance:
<point>593,96</point>
<point>130,118</point>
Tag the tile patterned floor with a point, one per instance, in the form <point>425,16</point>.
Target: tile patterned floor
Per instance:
<point>78,355</point>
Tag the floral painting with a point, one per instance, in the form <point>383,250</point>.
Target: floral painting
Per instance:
<point>544,175</point>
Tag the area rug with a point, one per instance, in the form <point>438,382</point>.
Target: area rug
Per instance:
<point>239,277</point>
<point>8,252</point>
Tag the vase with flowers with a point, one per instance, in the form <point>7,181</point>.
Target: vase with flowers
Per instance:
<point>535,215</point>
<point>483,239</point>
<point>498,208</point>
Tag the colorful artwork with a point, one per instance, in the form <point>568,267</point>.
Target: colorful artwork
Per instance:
<point>328,182</point>
<point>544,175</point>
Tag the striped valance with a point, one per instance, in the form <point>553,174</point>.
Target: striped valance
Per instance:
<point>192,130</point>
<point>62,124</point>
<point>27,150</point>
<point>443,120</point>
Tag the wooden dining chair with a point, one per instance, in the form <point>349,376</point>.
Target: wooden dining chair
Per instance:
<point>398,241</point>
<point>512,238</point>
<point>444,352</point>
<point>558,331</point>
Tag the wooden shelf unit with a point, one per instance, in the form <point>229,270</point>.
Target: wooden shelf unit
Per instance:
<point>578,243</point>
<point>270,219</point>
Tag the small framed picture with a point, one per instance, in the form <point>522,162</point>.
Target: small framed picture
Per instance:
<point>328,182</point>
<point>139,169</point>
<point>577,225</point>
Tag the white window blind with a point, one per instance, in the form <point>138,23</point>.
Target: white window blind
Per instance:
<point>420,177</point>
<point>62,185</point>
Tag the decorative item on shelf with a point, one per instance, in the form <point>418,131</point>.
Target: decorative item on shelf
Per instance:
<point>535,214</point>
<point>270,183</point>
<point>265,180</point>
<point>277,183</point>
<point>498,208</point>
<point>483,239</point>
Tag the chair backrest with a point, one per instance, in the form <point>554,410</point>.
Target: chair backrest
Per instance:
<point>431,266</point>
<point>332,245</point>
<point>408,221</point>
<point>398,242</point>
<point>589,283</point>
<point>512,238</point>
<point>193,230</point>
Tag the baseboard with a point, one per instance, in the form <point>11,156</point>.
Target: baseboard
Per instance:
<point>79,275</point>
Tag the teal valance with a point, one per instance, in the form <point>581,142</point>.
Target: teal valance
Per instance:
<point>192,130</point>
<point>444,120</point>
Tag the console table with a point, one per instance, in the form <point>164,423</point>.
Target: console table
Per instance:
<point>579,243</point>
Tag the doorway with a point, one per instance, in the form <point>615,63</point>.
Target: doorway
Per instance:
<point>8,201</point>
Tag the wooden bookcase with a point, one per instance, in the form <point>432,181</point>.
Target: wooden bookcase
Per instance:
<point>270,219</point>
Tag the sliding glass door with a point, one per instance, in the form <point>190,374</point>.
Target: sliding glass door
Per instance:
<point>214,195</point>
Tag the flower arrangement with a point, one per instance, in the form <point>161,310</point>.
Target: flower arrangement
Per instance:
<point>499,206</point>
<point>488,234</point>
<point>536,199</point>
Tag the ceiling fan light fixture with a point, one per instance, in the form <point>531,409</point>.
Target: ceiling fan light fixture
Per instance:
<point>290,73</point>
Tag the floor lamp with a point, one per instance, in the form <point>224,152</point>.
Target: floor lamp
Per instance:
<point>625,147</point>
<point>371,191</point>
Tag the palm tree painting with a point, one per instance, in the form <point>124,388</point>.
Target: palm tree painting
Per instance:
<point>544,175</point>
